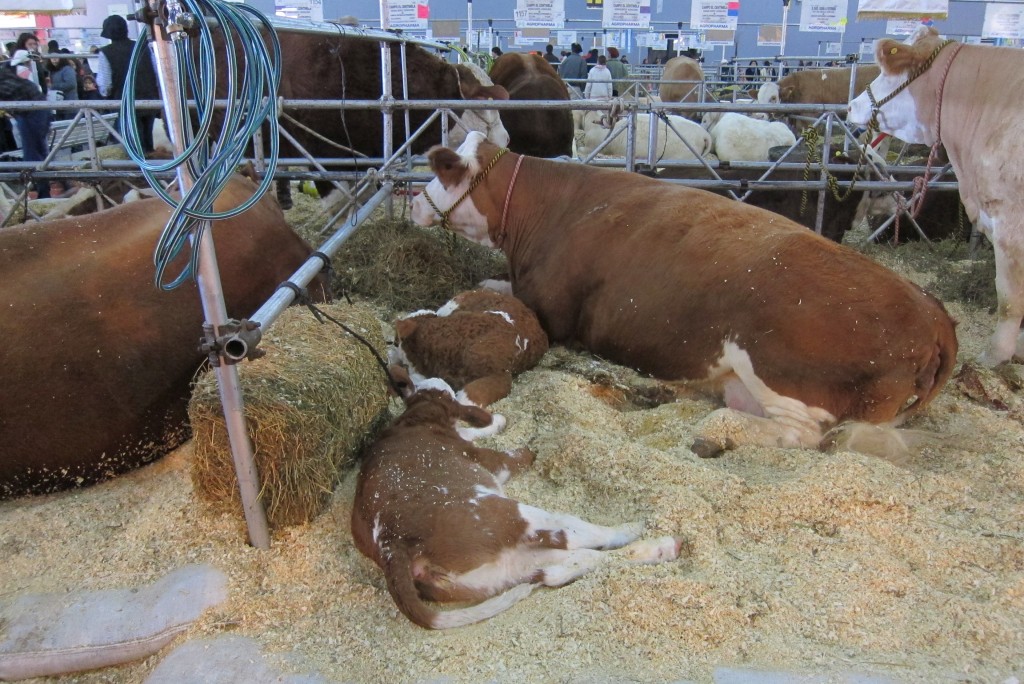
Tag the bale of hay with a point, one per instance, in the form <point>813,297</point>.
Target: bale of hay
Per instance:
<point>311,404</point>
<point>407,267</point>
<point>398,264</point>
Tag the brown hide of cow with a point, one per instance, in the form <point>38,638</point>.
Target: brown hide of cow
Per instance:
<point>98,362</point>
<point>336,67</point>
<point>824,86</point>
<point>474,348</point>
<point>658,277</point>
<point>836,220</point>
<point>536,132</point>
<point>681,69</point>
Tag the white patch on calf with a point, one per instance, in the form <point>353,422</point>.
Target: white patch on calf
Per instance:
<point>505,315</point>
<point>471,434</point>
<point>450,307</point>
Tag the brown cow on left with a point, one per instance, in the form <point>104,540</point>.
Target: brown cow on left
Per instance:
<point>98,362</point>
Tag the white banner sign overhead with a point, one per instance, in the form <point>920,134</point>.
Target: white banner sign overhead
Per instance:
<point>626,14</point>
<point>656,41</point>
<point>305,10</point>
<point>1003,20</point>
<point>405,14</point>
<point>901,27</point>
<point>823,15</point>
<point>714,14</point>
<point>565,38</point>
<point>906,9</point>
<point>549,14</point>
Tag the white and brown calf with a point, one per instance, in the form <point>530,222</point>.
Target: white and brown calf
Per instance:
<point>431,512</point>
<point>476,343</point>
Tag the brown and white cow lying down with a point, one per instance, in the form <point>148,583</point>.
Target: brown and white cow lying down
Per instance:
<point>97,362</point>
<point>476,343</point>
<point>795,332</point>
<point>969,100</point>
<point>430,511</point>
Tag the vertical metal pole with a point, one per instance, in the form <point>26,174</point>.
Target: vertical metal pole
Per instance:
<point>212,295</point>
<point>785,25</point>
<point>469,24</point>
<point>387,111</point>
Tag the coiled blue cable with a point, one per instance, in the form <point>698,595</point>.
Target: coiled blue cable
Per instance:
<point>212,155</point>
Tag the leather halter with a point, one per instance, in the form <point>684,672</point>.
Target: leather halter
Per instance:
<point>508,196</point>
<point>445,223</point>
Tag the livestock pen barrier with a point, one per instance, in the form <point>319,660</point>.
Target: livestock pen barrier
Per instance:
<point>398,165</point>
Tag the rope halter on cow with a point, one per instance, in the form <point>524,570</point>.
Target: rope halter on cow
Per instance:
<point>445,223</point>
<point>921,182</point>
<point>876,105</point>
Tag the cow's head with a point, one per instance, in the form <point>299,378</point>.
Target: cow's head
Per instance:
<point>900,116</point>
<point>475,84</point>
<point>446,196</point>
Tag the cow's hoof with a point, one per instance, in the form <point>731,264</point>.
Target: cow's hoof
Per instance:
<point>705,448</point>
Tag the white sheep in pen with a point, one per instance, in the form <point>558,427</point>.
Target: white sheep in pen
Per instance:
<point>740,138</point>
<point>670,143</point>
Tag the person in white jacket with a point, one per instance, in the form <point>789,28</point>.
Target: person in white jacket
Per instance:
<point>599,81</point>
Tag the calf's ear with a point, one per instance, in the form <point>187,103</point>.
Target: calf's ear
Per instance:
<point>404,328</point>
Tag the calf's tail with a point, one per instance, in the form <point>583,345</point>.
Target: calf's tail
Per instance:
<point>398,572</point>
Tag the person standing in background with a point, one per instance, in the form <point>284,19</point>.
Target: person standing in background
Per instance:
<point>112,75</point>
<point>573,68</point>
<point>63,80</point>
<point>618,71</point>
<point>549,54</point>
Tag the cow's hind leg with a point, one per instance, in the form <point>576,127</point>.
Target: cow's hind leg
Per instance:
<point>562,567</point>
<point>564,531</point>
<point>1007,340</point>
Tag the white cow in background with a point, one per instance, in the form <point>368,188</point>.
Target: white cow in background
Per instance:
<point>742,138</point>
<point>669,145</point>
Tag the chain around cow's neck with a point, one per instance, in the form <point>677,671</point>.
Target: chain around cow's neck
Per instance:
<point>445,223</point>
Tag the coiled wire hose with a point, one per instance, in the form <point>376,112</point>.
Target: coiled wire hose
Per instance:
<point>253,77</point>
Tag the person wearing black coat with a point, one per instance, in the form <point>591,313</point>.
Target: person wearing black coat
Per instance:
<point>113,74</point>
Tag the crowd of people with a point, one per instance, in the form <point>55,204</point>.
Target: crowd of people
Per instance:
<point>28,74</point>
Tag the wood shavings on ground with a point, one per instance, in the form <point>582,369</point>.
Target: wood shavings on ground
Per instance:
<point>796,560</point>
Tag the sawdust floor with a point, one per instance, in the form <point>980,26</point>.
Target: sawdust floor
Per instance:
<point>796,559</point>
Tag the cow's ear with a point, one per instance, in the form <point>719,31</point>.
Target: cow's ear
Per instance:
<point>893,57</point>
<point>447,165</point>
<point>495,92</point>
<point>787,93</point>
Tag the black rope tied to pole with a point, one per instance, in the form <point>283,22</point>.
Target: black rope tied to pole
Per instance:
<point>302,297</point>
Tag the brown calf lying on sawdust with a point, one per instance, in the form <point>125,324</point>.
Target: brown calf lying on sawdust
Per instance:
<point>476,343</point>
<point>430,511</point>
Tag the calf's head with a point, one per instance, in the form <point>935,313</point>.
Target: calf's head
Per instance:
<point>447,200</point>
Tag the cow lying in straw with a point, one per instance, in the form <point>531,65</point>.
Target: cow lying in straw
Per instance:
<point>431,512</point>
<point>794,332</point>
<point>476,343</point>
